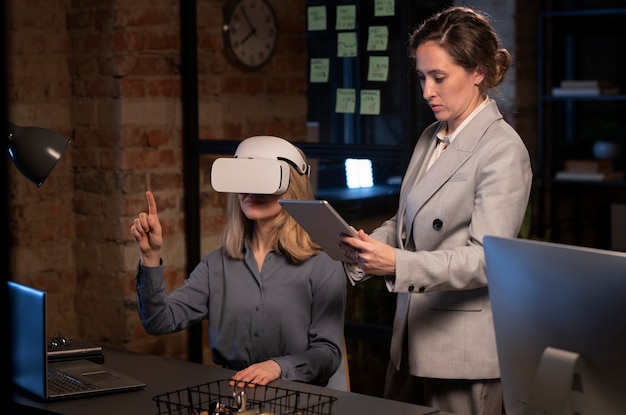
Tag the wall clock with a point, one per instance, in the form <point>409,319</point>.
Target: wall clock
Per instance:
<point>250,32</point>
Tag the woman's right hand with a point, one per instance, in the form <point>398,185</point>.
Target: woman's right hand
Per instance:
<point>372,256</point>
<point>148,235</point>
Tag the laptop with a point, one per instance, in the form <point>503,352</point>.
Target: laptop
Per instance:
<point>323,224</point>
<point>52,380</point>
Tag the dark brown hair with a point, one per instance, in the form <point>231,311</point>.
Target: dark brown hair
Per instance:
<point>469,38</point>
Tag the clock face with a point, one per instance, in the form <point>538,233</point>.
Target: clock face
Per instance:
<point>250,32</point>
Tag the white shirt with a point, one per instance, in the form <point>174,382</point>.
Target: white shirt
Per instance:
<point>445,140</point>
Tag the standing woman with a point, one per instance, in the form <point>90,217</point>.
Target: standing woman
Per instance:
<point>469,176</point>
<point>274,302</point>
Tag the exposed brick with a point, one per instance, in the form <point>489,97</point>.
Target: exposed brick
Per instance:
<point>145,16</point>
<point>162,41</point>
<point>163,88</point>
<point>255,85</point>
<point>128,41</point>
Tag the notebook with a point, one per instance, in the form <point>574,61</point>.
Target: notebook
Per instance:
<point>322,223</point>
<point>76,349</point>
<point>51,380</point>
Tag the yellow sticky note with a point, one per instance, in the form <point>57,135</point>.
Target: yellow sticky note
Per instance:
<point>346,17</point>
<point>370,101</point>
<point>378,68</point>
<point>316,18</point>
<point>319,70</point>
<point>346,100</point>
<point>346,44</point>
<point>384,8</point>
<point>378,38</point>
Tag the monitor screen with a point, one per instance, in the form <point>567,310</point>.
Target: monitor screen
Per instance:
<point>560,320</point>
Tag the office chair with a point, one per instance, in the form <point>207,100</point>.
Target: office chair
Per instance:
<point>341,379</point>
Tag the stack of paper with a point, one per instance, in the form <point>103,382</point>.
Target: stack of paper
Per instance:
<point>589,170</point>
<point>589,87</point>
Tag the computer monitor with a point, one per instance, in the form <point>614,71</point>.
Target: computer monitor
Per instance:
<point>560,321</point>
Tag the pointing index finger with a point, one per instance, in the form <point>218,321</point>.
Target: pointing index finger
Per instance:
<point>152,207</point>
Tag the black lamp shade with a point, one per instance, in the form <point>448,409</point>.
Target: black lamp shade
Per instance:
<point>35,151</point>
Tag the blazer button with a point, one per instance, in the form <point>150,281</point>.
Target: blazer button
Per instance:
<point>422,289</point>
<point>411,288</point>
<point>437,224</point>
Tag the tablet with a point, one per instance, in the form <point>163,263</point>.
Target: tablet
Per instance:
<point>323,224</point>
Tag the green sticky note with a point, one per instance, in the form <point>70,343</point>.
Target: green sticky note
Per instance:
<point>316,18</point>
<point>346,17</point>
<point>319,70</point>
<point>378,38</point>
<point>384,8</point>
<point>378,69</point>
<point>370,101</point>
<point>346,100</point>
<point>346,44</point>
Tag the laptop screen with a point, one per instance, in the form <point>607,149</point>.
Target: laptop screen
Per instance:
<point>27,308</point>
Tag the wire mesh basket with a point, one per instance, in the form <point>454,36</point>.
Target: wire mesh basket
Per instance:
<point>219,397</point>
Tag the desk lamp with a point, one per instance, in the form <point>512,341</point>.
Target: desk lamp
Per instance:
<point>35,151</point>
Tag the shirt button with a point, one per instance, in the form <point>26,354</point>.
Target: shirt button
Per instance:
<point>437,224</point>
<point>256,334</point>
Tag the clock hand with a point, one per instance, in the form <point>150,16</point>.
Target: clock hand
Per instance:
<point>252,28</point>
<point>245,16</point>
<point>248,36</point>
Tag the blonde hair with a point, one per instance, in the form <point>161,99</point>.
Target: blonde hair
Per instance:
<point>290,239</point>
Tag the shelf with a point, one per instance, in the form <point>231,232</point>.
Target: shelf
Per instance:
<point>583,13</point>
<point>579,44</point>
<point>621,97</point>
<point>607,183</point>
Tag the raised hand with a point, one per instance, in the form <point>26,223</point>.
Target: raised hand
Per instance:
<point>148,235</point>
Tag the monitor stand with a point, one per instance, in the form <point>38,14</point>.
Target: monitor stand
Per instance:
<point>554,382</point>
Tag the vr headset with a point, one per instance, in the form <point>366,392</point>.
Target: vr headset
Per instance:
<point>260,166</point>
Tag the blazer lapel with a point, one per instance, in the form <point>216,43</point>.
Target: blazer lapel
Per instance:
<point>424,149</point>
<point>461,148</point>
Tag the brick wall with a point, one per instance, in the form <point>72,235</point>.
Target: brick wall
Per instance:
<point>42,224</point>
<point>106,74</point>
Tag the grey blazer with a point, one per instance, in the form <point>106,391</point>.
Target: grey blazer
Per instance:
<point>479,186</point>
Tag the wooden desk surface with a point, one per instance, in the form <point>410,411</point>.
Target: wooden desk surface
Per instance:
<point>165,375</point>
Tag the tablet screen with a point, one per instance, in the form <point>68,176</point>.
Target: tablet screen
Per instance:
<point>323,224</point>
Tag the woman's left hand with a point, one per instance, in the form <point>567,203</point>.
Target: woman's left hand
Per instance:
<point>258,373</point>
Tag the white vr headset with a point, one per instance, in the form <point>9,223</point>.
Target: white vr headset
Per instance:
<point>260,166</point>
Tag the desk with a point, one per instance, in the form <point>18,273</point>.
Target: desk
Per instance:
<point>164,374</point>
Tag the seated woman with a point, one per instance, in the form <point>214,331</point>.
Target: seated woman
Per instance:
<point>273,300</point>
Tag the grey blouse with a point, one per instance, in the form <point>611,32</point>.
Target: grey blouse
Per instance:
<point>292,314</point>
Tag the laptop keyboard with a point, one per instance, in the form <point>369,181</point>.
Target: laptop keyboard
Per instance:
<point>61,382</point>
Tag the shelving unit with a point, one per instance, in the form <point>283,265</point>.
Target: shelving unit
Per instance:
<point>580,40</point>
